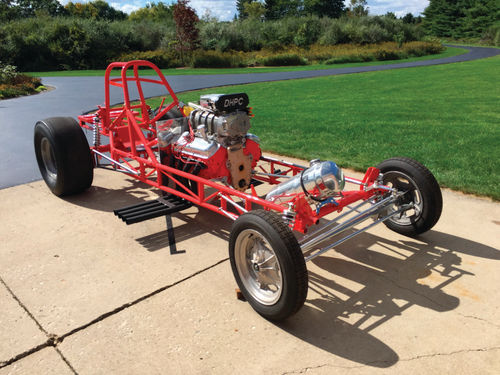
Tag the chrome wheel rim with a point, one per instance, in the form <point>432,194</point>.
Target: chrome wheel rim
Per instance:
<point>258,267</point>
<point>48,158</point>
<point>404,183</point>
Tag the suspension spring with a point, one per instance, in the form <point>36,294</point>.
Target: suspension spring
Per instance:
<point>289,216</point>
<point>96,133</point>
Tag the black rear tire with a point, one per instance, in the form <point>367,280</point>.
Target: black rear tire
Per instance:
<point>408,175</point>
<point>268,264</point>
<point>63,155</point>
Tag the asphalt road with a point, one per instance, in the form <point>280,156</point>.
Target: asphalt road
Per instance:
<point>74,95</point>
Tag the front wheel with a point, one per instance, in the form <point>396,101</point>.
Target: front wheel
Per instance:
<point>268,264</point>
<point>63,155</point>
<point>420,189</point>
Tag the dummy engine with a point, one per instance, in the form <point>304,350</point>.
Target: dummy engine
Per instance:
<point>217,145</point>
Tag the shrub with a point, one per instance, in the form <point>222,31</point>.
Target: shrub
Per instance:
<point>231,38</point>
<point>354,31</point>
<point>286,30</point>
<point>492,35</point>
<point>344,59</point>
<point>334,34</point>
<point>423,48</point>
<point>241,35</point>
<point>283,60</point>
<point>307,33</point>
<point>161,59</point>
<point>366,30</point>
<point>7,73</point>
<point>252,35</point>
<point>251,31</point>
<point>209,35</point>
<point>45,43</point>
<point>375,33</point>
<point>399,38</point>
<point>14,84</point>
<point>386,54</point>
<point>214,59</point>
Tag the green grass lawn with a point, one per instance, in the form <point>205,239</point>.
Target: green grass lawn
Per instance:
<point>445,116</point>
<point>450,51</point>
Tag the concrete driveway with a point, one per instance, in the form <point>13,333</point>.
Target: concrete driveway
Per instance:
<point>83,293</point>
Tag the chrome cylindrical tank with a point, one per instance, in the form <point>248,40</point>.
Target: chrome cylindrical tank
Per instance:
<point>321,180</point>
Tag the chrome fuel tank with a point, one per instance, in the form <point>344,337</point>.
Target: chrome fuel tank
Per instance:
<point>321,180</point>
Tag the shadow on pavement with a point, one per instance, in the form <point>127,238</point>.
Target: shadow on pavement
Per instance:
<point>108,199</point>
<point>341,319</point>
<point>194,223</point>
<point>357,289</point>
<point>463,246</point>
<point>203,221</point>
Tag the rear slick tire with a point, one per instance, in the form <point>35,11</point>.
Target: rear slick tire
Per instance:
<point>421,189</point>
<point>268,264</point>
<point>63,155</point>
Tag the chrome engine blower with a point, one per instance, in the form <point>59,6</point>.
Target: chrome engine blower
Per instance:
<point>224,118</point>
<point>220,143</point>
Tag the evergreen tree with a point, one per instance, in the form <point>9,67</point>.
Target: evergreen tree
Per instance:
<point>107,12</point>
<point>158,12</point>
<point>391,15</point>
<point>479,17</point>
<point>29,7</point>
<point>358,8</point>
<point>460,18</point>
<point>408,18</point>
<point>7,11</point>
<point>328,8</point>
<point>440,17</point>
<point>276,9</point>
<point>240,7</point>
<point>254,10</point>
<point>10,9</point>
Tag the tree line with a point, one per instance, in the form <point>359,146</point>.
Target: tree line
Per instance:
<point>159,11</point>
<point>442,18</point>
<point>98,9</point>
<point>44,35</point>
<point>461,18</point>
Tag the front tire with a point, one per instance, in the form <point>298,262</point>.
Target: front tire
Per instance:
<point>420,188</point>
<point>268,264</point>
<point>63,155</point>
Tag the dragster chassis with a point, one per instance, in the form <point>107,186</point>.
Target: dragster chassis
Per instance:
<point>267,259</point>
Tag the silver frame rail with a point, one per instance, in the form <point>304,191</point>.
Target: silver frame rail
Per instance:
<point>272,174</point>
<point>334,228</point>
<point>124,168</point>
<point>230,201</point>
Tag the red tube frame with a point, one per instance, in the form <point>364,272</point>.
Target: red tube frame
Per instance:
<point>132,142</point>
